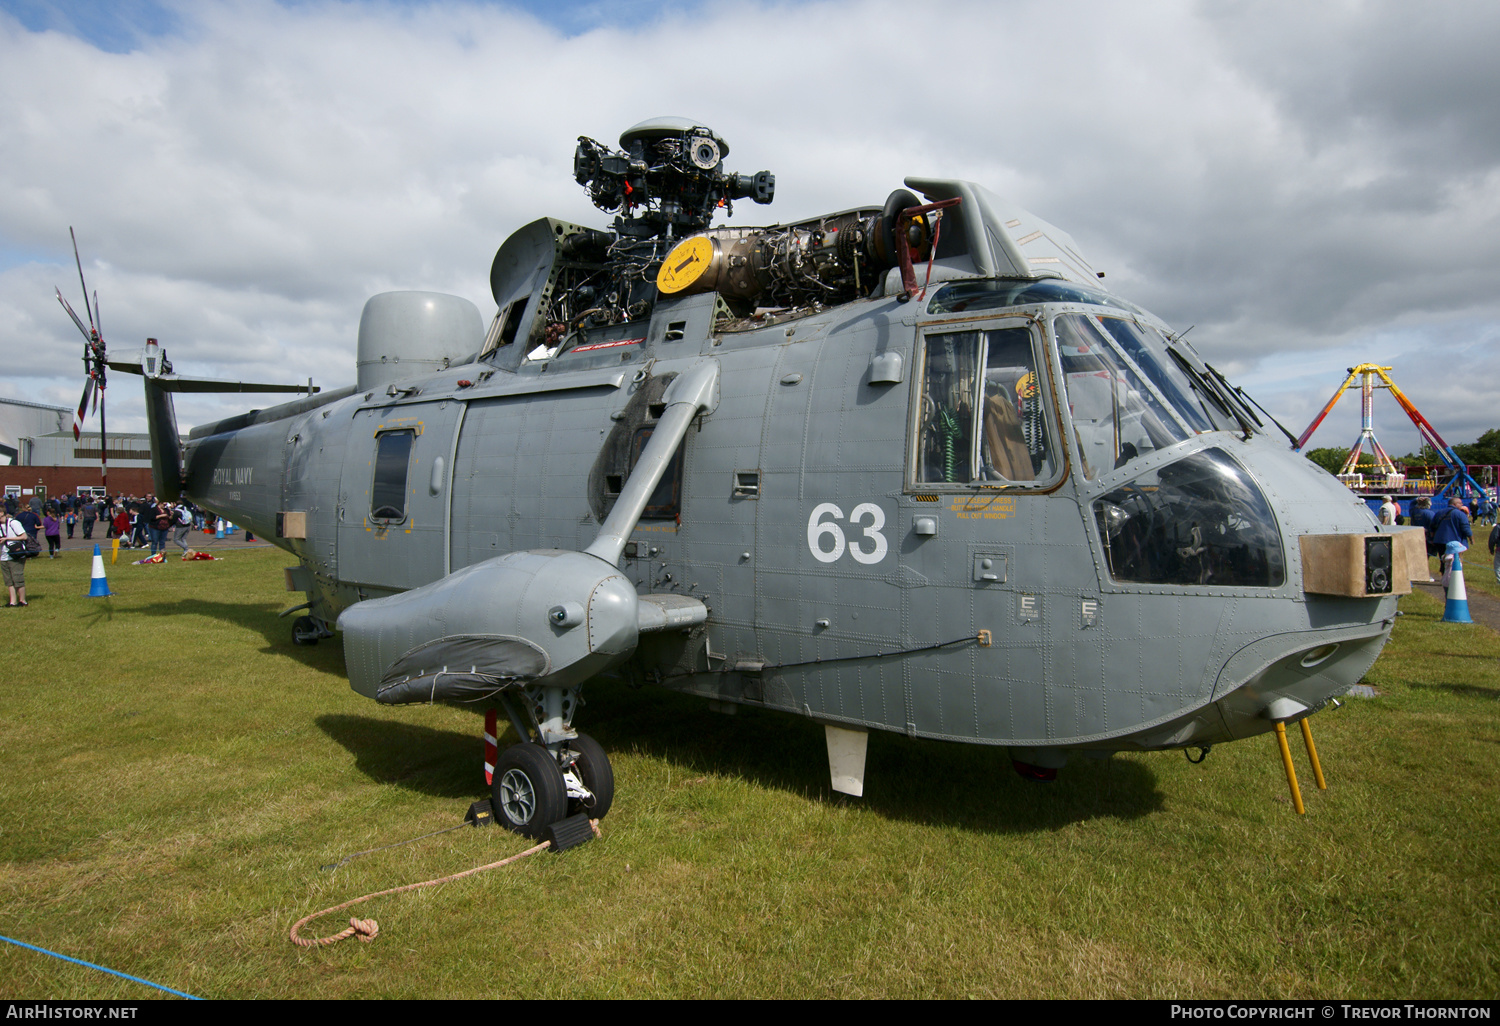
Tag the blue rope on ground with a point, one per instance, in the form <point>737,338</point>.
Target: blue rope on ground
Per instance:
<point>102,969</point>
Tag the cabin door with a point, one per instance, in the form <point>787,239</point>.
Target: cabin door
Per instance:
<point>394,496</point>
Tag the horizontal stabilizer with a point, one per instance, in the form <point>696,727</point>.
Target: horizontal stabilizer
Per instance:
<point>177,383</point>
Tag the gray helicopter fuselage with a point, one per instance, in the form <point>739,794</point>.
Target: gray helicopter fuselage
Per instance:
<point>867,557</point>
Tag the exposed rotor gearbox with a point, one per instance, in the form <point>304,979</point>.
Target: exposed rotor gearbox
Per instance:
<point>667,178</point>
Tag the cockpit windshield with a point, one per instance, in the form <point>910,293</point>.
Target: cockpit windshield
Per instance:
<point>1199,403</point>
<point>1158,394</point>
<point>1116,417</point>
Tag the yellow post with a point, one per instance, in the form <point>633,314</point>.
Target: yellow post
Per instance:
<point>1312,754</point>
<point>1286,760</point>
<point>114,551</point>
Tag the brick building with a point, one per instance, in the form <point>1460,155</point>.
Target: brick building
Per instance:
<point>38,452</point>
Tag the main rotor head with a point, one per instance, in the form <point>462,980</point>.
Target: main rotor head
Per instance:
<point>667,178</point>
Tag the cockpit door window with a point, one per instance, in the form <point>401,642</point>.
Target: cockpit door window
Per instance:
<point>982,417</point>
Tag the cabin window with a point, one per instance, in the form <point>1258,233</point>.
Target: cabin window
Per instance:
<point>982,418</point>
<point>1198,521</point>
<point>666,501</point>
<point>388,490</point>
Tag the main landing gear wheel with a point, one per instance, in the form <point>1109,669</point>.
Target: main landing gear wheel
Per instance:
<point>597,775</point>
<point>528,793</point>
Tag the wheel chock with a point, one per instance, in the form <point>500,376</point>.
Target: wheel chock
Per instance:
<point>480,814</point>
<point>569,833</point>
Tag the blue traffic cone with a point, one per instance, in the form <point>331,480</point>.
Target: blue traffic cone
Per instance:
<point>98,583</point>
<point>219,533</point>
<point>1456,609</point>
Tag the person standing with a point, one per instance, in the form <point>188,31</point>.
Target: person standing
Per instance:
<point>13,570</point>
<point>1388,511</point>
<point>1421,516</point>
<point>182,522</point>
<point>1495,548</point>
<point>52,528</point>
<point>137,525</point>
<point>158,523</point>
<point>90,514</point>
<point>31,521</point>
<point>71,519</point>
<point>1451,524</point>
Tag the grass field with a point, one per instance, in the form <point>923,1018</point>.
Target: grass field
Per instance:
<point>174,774</point>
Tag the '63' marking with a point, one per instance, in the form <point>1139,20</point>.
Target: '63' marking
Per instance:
<point>826,540</point>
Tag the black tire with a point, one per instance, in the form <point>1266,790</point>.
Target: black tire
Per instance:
<point>597,775</point>
<point>304,631</point>
<point>527,791</point>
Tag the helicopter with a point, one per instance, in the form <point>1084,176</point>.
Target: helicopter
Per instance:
<point>906,467</point>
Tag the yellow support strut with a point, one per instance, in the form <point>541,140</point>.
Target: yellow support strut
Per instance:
<point>1291,772</point>
<point>1312,755</point>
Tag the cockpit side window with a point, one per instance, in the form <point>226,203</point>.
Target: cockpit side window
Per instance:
<point>982,418</point>
<point>388,489</point>
<point>1116,416</point>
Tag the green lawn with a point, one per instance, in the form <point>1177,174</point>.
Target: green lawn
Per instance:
<point>174,773</point>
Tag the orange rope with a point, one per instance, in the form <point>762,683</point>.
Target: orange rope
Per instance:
<point>368,929</point>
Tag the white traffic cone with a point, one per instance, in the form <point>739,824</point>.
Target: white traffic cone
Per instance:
<point>1456,609</point>
<point>98,583</point>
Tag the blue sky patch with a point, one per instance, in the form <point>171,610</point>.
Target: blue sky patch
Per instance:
<point>119,26</point>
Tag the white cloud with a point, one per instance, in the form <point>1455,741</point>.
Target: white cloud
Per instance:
<point>1302,184</point>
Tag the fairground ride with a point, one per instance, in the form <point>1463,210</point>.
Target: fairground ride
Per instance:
<point>1450,478</point>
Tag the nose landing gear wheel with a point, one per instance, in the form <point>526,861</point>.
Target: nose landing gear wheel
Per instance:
<point>528,793</point>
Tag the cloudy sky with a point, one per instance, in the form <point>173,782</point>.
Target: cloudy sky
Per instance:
<point>1308,185</point>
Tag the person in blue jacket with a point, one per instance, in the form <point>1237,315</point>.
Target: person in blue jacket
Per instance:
<point>1451,524</point>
